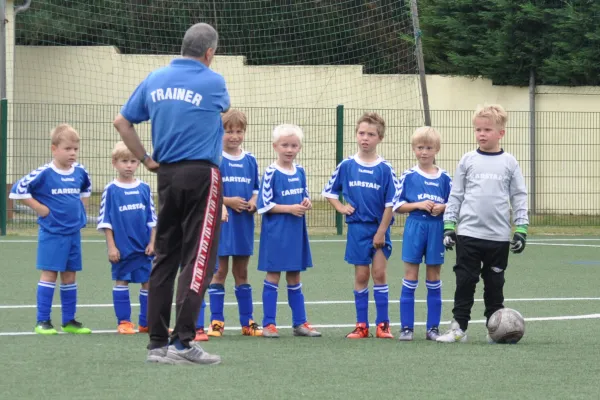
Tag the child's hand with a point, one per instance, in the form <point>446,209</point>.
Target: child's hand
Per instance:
<point>437,209</point>
<point>346,209</point>
<point>113,255</point>
<point>379,240</point>
<point>238,204</point>
<point>298,210</point>
<point>426,205</point>
<point>43,211</point>
<point>252,206</point>
<point>306,203</point>
<point>224,214</point>
<point>150,249</point>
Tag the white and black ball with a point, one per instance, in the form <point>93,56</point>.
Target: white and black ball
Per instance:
<point>506,326</point>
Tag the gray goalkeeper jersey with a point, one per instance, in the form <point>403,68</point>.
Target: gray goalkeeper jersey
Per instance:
<point>484,187</point>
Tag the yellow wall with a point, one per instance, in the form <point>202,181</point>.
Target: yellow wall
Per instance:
<point>100,76</point>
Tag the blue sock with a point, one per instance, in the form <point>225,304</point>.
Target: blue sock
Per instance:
<point>269,299</point>
<point>216,293</point>
<point>143,321</point>
<point>45,293</point>
<point>68,300</point>
<point>201,315</point>
<point>382,301</point>
<point>122,303</point>
<point>434,303</point>
<point>243,294</point>
<point>178,345</point>
<point>407,303</point>
<point>361,300</point>
<point>296,303</point>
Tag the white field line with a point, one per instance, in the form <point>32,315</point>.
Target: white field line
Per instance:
<point>318,302</point>
<point>337,326</point>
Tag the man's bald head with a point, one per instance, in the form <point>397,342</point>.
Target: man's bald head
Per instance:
<point>198,39</point>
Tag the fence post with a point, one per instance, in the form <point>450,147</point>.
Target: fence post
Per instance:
<point>339,156</point>
<point>3,164</point>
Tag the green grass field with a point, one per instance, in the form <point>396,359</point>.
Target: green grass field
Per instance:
<point>554,283</point>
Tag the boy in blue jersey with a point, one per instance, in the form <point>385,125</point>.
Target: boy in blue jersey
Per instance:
<point>58,192</point>
<point>128,219</point>
<point>423,193</point>
<point>239,171</point>
<point>283,201</point>
<point>368,184</point>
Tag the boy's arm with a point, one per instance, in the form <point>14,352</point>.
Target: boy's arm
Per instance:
<point>150,247</point>
<point>386,220</point>
<point>252,203</point>
<point>518,202</point>
<point>36,206</point>
<point>113,252</point>
<point>295,209</point>
<point>457,195</point>
<point>345,209</point>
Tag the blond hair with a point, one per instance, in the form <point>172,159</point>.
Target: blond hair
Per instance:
<point>493,112</point>
<point>428,136</point>
<point>235,118</point>
<point>62,133</point>
<point>285,130</point>
<point>373,118</point>
<point>121,152</point>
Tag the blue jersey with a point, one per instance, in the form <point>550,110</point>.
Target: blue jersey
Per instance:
<point>184,101</point>
<point>284,242</point>
<point>128,210</point>
<point>368,187</point>
<point>240,179</point>
<point>60,191</point>
<point>416,186</point>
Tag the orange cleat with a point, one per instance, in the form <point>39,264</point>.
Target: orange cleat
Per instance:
<point>201,336</point>
<point>126,328</point>
<point>252,329</point>
<point>360,332</point>
<point>383,331</point>
<point>216,328</point>
<point>142,329</point>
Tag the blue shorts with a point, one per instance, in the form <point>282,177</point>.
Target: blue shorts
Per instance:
<point>58,253</point>
<point>359,244</point>
<point>423,238</point>
<point>135,269</point>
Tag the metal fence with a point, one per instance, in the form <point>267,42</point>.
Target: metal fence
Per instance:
<point>564,157</point>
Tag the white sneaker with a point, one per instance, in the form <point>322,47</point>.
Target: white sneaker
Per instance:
<point>455,334</point>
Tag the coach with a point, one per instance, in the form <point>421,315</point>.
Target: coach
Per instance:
<point>184,102</point>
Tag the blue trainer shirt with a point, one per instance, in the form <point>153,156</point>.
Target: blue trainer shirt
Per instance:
<point>184,101</point>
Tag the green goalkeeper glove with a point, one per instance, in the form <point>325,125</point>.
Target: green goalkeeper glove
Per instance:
<point>517,244</point>
<point>449,235</point>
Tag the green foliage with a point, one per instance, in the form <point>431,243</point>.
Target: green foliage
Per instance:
<point>308,32</point>
<point>504,40</point>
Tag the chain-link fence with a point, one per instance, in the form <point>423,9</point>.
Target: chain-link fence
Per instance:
<point>565,155</point>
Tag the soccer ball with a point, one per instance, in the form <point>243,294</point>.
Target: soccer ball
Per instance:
<point>506,326</point>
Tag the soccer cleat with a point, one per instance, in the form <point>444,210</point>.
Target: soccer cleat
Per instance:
<point>252,329</point>
<point>195,355</point>
<point>433,333</point>
<point>383,331</point>
<point>306,330</point>
<point>270,331</point>
<point>142,329</point>
<point>157,355</point>
<point>406,335</point>
<point>126,328</point>
<point>216,328</point>
<point>201,336</point>
<point>45,328</point>
<point>360,332</point>
<point>76,327</point>
<point>454,334</point>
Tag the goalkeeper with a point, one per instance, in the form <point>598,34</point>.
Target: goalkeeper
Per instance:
<point>484,183</point>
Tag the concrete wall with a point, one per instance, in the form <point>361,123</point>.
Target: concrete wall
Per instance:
<point>86,85</point>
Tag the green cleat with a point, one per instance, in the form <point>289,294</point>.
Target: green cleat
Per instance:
<point>76,327</point>
<point>45,328</point>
